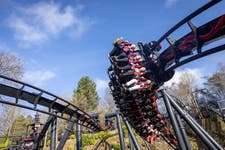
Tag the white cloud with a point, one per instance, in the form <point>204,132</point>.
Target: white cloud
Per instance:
<point>170,3</point>
<point>196,72</point>
<point>26,33</point>
<point>38,77</point>
<point>101,86</point>
<point>41,21</point>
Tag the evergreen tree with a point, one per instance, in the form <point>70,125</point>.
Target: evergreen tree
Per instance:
<point>20,126</point>
<point>85,95</point>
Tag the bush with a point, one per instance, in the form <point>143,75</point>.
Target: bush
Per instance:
<point>87,140</point>
<point>5,142</point>
<point>125,132</point>
<point>102,135</point>
<point>48,142</point>
<point>116,146</point>
<point>72,136</point>
<point>70,147</point>
<point>193,143</point>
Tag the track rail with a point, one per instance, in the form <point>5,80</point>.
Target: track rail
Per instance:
<point>197,56</point>
<point>214,103</point>
<point>22,92</point>
<point>188,18</point>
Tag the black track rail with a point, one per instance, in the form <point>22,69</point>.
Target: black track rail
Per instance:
<point>197,56</point>
<point>188,18</point>
<point>23,92</point>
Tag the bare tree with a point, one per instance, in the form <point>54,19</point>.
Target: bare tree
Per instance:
<point>7,120</point>
<point>216,83</point>
<point>110,104</point>
<point>11,65</point>
<point>184,91</point>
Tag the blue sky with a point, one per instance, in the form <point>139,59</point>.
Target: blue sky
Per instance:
<point>61,41</point>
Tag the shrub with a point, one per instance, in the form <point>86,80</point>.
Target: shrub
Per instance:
<point>87,140</point>
<point>116,146</point>
<point>48,142</point>
<point>72,136</point>
<point>70,148</point>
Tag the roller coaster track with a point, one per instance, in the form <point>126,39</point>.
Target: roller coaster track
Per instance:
<point>200,36</point>
<point>137,73</point>
<point>22,92</point>
<point>214,103</point>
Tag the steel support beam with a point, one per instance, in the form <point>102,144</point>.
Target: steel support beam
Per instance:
<point>66,133</point>
<point>147,144</point>
<point>173,121</point>
<point>183,132</point>
<point>43,132</point>
<point>131,143</point>
<point>130,132</point>
<point>53,134</point>
<point>78,136</point>
<point>200,132</point>
<point>119,127</point>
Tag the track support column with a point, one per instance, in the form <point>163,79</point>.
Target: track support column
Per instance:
<point>131,143</point>
<point>200,132</point>
<point>131,134</point>
<point>173,120</point>
<point>53,133</point>
<point>119,127</point>
<point>183,132</point>
<point>78,136</point>
<point>66,133</point>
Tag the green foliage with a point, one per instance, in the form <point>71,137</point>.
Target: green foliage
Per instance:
<point>135,133</point>
<point>194,144</point>
<point>70,148</point>
<point>88,139</point>
<point>4,143</point>
<point>48,142</point>
<point>91,139</point>
<point>125,132</point>
<point>20,125</point>
<point>72,136</point>
<point>102,135</point>
<point>7,142</point>
<point>116,146</point>
<point>85,95</point>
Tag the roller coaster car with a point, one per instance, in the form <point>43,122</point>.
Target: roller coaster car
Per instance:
<point>137,72</point>
<point>28,143</point>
